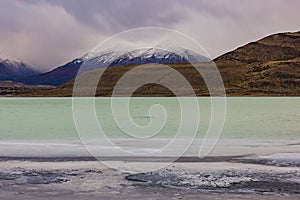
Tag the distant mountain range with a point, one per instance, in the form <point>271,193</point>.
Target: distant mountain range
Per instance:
<point>112,58</point>
<point>270,66</point>
<point>12,69</point>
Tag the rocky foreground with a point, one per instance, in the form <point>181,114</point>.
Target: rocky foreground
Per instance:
<point>92,180</point>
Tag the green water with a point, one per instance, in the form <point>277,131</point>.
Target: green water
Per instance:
<point>52,118</point>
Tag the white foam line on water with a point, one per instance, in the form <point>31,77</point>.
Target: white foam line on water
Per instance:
<point>282,157</point>
<point>39,144</point>
<point>43,144</point>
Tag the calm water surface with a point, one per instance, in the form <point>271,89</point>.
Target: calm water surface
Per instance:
<point>52,118</point>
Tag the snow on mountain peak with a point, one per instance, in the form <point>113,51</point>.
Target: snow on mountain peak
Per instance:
<point>162,53</point>
<point>136,49</point>
<point>13,69</point>
<point>11,61</point>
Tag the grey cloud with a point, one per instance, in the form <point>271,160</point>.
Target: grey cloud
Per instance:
<point>122,15</point>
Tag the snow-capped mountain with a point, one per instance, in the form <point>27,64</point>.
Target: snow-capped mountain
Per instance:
<point>110,57</point>
<point>114,57</point>
<point>12,69</point>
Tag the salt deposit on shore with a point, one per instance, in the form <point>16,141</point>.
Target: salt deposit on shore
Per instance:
<point>193,180</point>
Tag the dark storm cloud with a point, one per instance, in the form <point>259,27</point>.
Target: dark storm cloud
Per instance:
<point>46,33</point>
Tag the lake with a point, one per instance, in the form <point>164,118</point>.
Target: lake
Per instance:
<point>52,118</point>
<point>42,121</point>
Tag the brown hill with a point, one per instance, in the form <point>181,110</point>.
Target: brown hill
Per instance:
<point>268,67</point>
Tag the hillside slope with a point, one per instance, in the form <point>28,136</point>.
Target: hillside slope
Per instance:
<point>270,66</point>
<point>57,76</point>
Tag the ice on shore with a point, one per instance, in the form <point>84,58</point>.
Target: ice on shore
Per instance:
<point>285,159</point>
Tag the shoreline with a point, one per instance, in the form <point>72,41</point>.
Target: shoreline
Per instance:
<point>183,159</point>
<point>271,160</point>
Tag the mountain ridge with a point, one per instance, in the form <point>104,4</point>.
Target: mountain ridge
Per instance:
<point>110,58</point>
<point>267,67</point>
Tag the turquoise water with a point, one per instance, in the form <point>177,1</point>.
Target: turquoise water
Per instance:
<point>52,118</point>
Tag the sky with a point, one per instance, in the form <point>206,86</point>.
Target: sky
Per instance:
<point>48,33</point>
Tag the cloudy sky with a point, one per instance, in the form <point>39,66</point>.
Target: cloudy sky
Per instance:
<point>48,33</point>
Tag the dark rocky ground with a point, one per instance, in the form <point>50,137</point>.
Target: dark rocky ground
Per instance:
<point>223,182</point>
<point>68,182</point>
